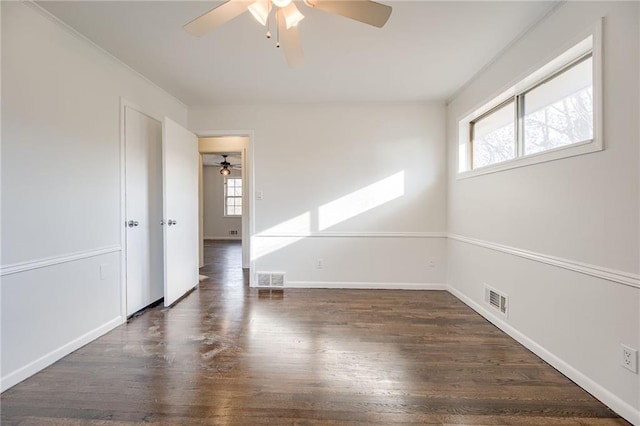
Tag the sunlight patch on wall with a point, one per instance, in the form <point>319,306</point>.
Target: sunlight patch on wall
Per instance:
<point>360,201</point>
<point>281,235</point>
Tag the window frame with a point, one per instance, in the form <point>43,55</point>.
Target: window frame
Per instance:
<point>227,196</point>
<point>588,45</point>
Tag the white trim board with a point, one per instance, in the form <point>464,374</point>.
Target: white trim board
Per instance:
<point>56,260</point>
<point>621,277</point>
<point>612,401</point>
<point>46,360</point>
<point>361,285</point>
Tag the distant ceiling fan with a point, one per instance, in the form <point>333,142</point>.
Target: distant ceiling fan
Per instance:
<point>225,166</point>
<point>287,17</point>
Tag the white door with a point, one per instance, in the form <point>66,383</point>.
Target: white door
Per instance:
<point>180,162</point>
<point>143,206</point>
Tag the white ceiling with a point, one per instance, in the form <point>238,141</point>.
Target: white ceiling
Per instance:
<point>427,50</point>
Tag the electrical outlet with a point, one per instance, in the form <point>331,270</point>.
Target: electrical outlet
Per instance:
<point>630,358</point>
<point>319,264</point>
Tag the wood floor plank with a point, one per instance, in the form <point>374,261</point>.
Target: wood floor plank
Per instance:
<point>231,355</point>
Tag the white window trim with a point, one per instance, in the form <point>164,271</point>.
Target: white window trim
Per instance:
<point>591,41</point>
<point>224,204</point>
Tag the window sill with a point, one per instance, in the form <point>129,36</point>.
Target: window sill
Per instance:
<point>573,150</point>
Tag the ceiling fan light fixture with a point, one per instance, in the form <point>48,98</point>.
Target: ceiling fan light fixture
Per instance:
<point>292,15</point>
<point>224,171</point>
<point>287,17</point>
<point>260,11</point>
<point>281,3</point>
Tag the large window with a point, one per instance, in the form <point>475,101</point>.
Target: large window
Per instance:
<point>553,113</point>
<point>233,197</point>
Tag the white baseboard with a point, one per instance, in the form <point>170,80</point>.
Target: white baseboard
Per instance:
<point>365,285</point>
<point>612,401</point>
<point>234,238</point>
<point>41,363</point>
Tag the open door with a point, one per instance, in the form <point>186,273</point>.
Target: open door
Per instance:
<point>143,209</point>
<point>180,210</point>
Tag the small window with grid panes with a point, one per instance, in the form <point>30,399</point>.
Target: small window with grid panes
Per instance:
<point>233,197</point>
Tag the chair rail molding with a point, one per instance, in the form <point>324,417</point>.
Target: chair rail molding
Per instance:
<point>620,277</point>
<point>352,235</point>
<point>56,260</point>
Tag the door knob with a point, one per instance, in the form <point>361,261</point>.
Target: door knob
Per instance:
<point>172,222</point>
<point>132,223</point>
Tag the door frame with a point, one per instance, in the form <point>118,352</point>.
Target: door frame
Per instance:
<point>125,103</point>
<point>248,181</point>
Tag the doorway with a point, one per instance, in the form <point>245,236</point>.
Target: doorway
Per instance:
<point>222,187</point>
<point>236,148</point>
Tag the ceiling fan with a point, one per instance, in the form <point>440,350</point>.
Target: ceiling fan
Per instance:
<point>287,17</point>
<point>225,166</point>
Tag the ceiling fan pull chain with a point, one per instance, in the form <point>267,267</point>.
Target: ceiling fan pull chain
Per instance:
<point>268,20</point>
<point>277,28</point>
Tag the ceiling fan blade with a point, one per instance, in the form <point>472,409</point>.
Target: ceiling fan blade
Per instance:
<point>366,11</point>
<point>290,42</point>
<point>216,17</point>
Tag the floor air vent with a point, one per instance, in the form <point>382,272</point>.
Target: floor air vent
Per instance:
<point>496,300</point>
<point>271,279</point>
<point>264,279</point>
<point>277,280</point>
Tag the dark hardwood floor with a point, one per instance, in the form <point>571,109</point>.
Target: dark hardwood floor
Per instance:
<point>228,354</point>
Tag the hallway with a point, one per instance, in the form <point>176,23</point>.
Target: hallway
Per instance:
<point>228,354</point>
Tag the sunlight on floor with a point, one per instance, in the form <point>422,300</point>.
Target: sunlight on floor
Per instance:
<point>342,362</point>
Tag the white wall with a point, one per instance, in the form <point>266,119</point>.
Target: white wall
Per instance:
<point>61,222</point>
<point>216,225</point>
<point>582,210</point>
<point>308,156</point>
